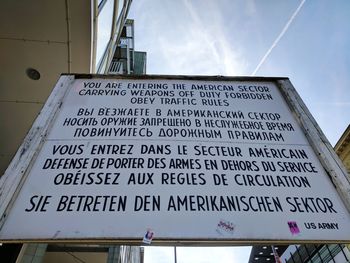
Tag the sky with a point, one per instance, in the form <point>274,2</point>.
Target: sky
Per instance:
<point>230,38</point>
<point>305,40</point>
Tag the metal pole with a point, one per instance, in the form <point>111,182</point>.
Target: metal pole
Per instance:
<point>175,255</point>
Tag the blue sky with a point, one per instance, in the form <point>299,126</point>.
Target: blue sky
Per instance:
<point>226,37</point>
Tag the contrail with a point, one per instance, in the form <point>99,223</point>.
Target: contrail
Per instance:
<point>284,30</point>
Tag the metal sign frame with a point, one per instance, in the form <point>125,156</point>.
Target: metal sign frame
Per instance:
<point>15,176</point>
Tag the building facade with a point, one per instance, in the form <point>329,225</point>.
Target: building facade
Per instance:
<point>342,148</point>
<point>125,59</point>
<point>39,41</point>
<point>311,253</point>
<point>316,253</point>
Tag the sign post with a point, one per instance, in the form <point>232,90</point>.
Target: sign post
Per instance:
<point>171,159</point>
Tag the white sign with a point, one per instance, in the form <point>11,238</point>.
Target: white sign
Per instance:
<point>176,160</point>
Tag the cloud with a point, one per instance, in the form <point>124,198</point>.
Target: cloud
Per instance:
<point>334,103</point>
<point>251,8</point>
<point>205,49</point>
<point>198,254</point>
<point>213,254</point>
<point>184,42</point>
<point>159,254</point>
<point>284,30</point>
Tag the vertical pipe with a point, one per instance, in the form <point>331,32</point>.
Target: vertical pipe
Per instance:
<point>128,56</point>
<point>95,12</point>
<point>68,37</point>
